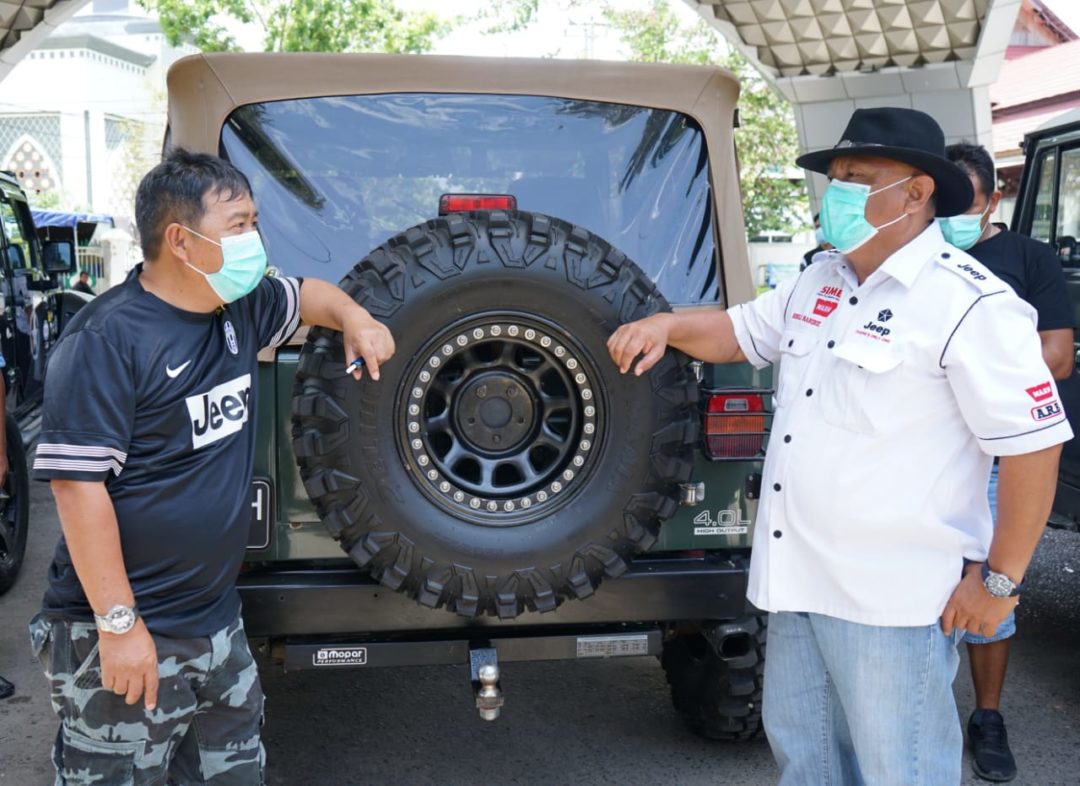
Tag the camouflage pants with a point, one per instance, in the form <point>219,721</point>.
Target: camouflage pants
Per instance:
<point>205,729</point>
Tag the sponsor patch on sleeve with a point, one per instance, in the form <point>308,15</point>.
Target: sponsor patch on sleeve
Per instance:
<point>1051,409</point>
<point>1041,392</point>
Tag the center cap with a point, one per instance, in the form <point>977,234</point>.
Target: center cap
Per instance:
<point>494,412</point>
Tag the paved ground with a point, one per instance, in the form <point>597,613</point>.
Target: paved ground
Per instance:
<point>565,723</point>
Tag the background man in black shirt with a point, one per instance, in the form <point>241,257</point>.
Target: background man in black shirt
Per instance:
<point>1033,270</point>
<point>83,284</point>
<point>148,443</point>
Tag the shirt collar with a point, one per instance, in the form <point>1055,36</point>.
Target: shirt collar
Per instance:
<point>905,263</point>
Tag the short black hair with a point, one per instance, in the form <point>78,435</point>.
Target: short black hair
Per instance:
<point>975,160</point>
<point>174,191</point>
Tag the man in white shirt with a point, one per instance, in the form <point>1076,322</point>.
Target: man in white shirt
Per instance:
<point>905,367</point>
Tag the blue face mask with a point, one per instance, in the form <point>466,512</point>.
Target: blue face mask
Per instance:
<point>243,264</point>
<point>819,236</point>
<point>963,231</point>
<point>843,214</point>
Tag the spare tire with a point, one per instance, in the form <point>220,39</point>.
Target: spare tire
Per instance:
<point>501,463</point>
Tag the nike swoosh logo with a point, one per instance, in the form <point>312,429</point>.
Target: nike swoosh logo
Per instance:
<point>173,373</point>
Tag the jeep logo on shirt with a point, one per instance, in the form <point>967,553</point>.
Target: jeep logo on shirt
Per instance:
<point>975,274</point>
<point>873,327</point>
<point>219,412</point>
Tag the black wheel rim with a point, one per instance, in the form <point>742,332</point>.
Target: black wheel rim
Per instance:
<point>9,519</point>
<point>500,418</point>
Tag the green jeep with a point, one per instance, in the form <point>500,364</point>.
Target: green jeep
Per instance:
<point>499,494</point>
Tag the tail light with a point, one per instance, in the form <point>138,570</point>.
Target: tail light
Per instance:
<point>735,425</point>
<point>463,203</point>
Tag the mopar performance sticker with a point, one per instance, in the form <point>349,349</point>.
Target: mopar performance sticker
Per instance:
<point>726,522</point>
<point>340,656</point>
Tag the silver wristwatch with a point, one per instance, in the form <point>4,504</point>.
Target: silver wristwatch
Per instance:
<point>119,619</point>
<point>998,584</point>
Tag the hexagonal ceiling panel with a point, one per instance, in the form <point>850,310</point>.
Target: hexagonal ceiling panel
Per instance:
<point>800,37</point>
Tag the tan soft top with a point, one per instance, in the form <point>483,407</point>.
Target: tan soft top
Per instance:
<point>204,89</point>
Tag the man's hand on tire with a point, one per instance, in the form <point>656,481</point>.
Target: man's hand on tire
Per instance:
<point>366,338</point>
<point>647,337</point>
<point>129,665</point>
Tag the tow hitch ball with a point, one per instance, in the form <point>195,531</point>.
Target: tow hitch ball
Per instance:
<point>484,672</point>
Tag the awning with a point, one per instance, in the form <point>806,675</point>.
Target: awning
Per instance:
<point>55,218</point>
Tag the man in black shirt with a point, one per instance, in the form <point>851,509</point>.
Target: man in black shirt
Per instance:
<point>1035,273</point>
<point>83,284</point>
<point>148,443</point>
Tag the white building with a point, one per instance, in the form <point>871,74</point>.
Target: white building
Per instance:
<point>82,116</point>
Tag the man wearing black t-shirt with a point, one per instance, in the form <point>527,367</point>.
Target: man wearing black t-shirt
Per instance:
<point>148,443</point>
<point>1033,270</point>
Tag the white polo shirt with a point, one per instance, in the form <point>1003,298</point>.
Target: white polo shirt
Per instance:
<point>892,398</point>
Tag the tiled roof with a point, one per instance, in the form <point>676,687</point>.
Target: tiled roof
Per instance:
<point>1049,72</point>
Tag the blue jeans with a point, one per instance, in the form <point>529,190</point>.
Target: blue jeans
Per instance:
<point>859,704</point>
<point>1007,628</point>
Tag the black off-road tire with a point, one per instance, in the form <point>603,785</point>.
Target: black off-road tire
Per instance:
<point>718,698</point>
<point>15,510</point>
<point>500,321</point>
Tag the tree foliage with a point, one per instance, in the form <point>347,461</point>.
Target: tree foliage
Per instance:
<point>766,140</point>
<point>300,25</point>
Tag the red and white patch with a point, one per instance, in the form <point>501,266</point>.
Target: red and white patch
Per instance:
<point>825,307</point>
<point>1041,392</point>
<point>1051,409</point>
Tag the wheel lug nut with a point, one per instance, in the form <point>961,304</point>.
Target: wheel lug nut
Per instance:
<point>481,391</point>
<point>496,439</point>
<point>511,392</point>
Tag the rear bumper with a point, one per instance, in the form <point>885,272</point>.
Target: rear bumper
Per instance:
<point>345,602</point>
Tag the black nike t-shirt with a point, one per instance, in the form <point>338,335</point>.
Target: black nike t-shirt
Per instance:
<point>159,404</point>
<point>1033,271</point>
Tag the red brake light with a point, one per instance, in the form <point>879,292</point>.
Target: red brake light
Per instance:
<point>463,203</point>
<point>735,425</point>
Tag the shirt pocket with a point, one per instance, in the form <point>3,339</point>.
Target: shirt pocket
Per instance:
<point>796,348</point>
<point>861,387</point>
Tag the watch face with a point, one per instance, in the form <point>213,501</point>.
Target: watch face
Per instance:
<point>120,619</point>
<point>999,586</point>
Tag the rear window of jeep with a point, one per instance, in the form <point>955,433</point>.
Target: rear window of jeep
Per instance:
<point>335,177</point>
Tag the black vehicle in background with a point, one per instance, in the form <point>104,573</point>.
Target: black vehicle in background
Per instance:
<point>1048,209</point>
<point>33,310</point>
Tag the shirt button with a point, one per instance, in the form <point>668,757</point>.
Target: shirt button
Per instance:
<point>775,486</point>
<point>777,533</point>
<point>853,300</point>
<point>831,344</point>
<point>809,391</point>
<point>792,341</point>
<point>946,255</point>
<point>787,438</point>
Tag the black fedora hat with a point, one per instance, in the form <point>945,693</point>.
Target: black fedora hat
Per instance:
<point>906,135</point>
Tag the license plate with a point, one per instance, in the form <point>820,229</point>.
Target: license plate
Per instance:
<point>262,495</point>
<point>613,646</point>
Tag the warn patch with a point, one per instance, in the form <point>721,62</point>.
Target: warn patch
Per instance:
<point>824,307</point>
<point>219,412</point>
<point>1041,392</point>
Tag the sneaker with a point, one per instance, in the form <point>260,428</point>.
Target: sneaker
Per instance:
<point>6,688</point>
<point>992,759</point>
